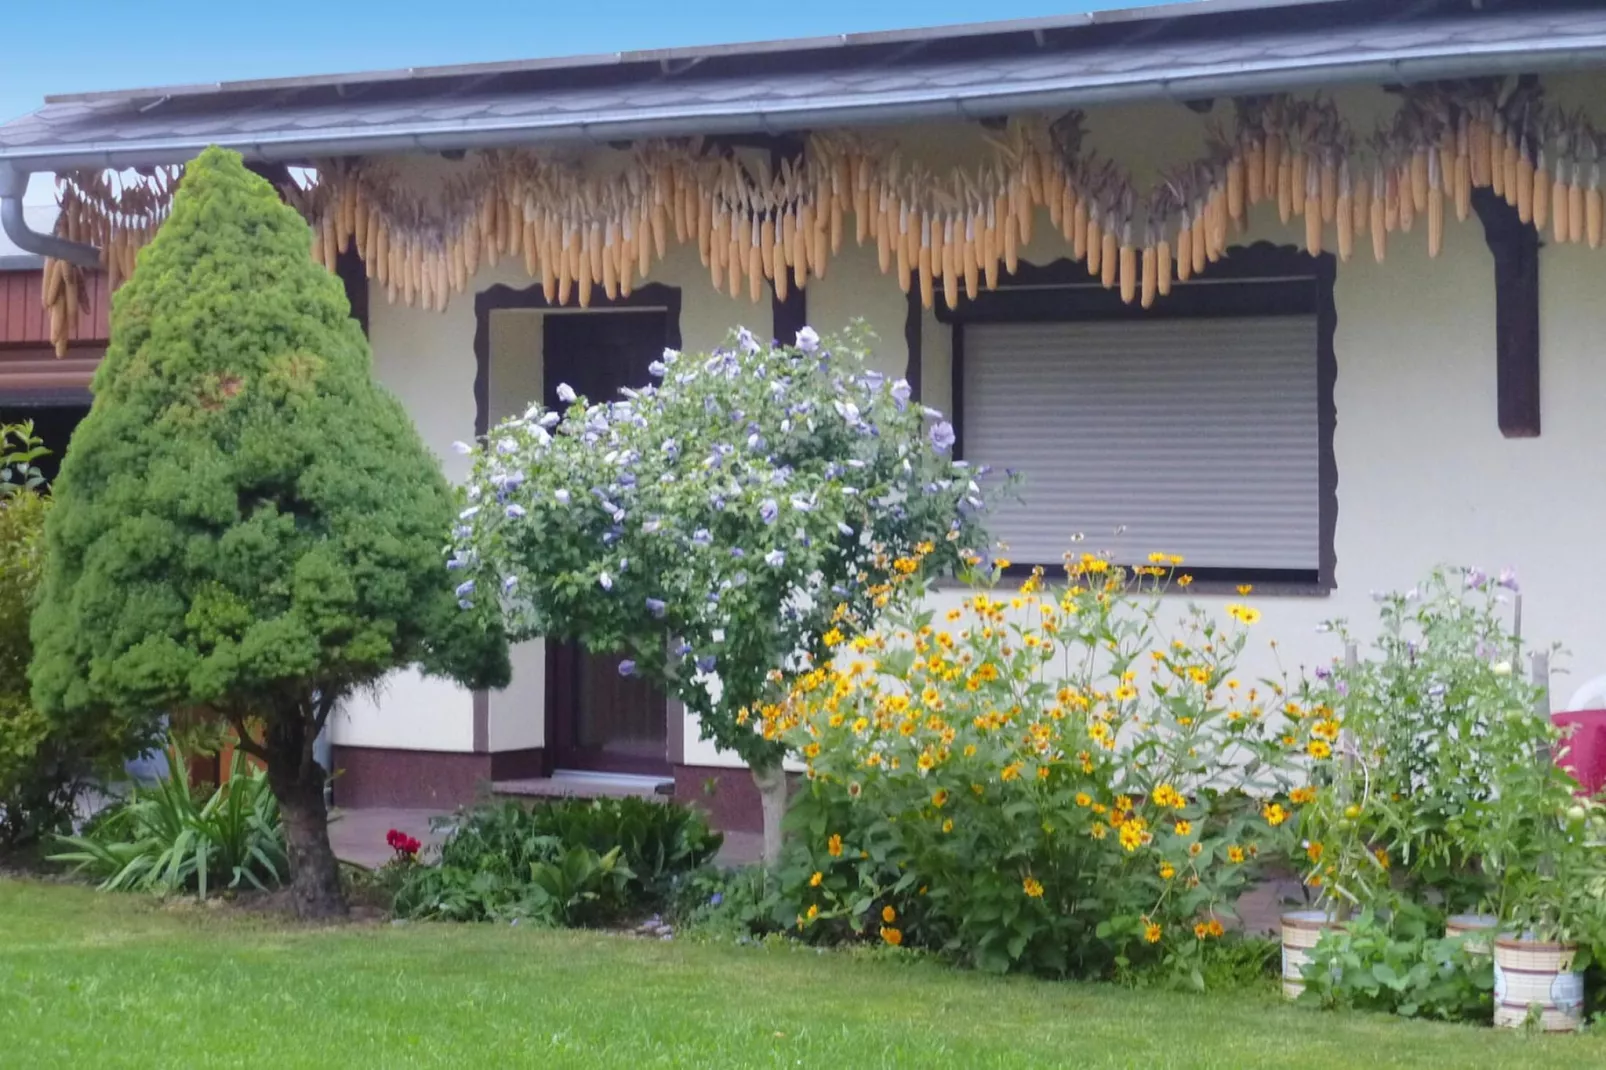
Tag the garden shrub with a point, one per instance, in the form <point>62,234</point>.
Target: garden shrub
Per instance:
<point>44,767</point>
<point>714,525</point>
<point>567,862</point>
<point>166,839</point>
<point>1050,780</point>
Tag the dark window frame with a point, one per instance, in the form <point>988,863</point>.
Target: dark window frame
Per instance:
<point>1257,280</point>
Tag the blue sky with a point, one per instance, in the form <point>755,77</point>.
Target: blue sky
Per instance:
<point>53,46</point>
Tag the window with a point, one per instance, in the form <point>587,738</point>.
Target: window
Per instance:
<point>1202,427</point>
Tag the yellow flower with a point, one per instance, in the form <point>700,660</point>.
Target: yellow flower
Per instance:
<point>1201,930</point>
<point>833,846</point>
<point>1126,693</point>
<point>948,825</point>
<point>1235,854</point>
<point>1314,851</point>
<point>925,761</point>
<point>1325,729</point>
<point>891,936</point>
<point>1274,814</point>
<point>1151,933</point>
<point>832,638</point>
<point>1184,828</point>
<point>1184,581</point>
<point>939,798</point>
<point>1131,836</point>
<point>1214,928</point>
<point>1319,749</point>
<point>1301,796</point>
<point>860,725</point>
<point>1244,589</point>
<point>814,881</point>
<point>1084,799</point>
<point>889,915</point>
<point>1168,796</point>
<point>1099,830</point>
<point>814,912</point>
<point>1195,848</point>
<point>1011,771</point>
<point>1382,857</point>
<point>1167,871</point>
<point>1032,887</point>
<point>1042,772</point>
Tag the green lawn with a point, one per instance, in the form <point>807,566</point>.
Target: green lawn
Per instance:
<point>103,981</point>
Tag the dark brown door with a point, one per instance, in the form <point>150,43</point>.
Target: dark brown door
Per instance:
<point>597,719</point>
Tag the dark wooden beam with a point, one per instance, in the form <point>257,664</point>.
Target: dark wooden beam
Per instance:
<point>792,315</point>
<point>1515,245</point>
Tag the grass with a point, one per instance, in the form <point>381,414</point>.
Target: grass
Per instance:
<point>114,981</point>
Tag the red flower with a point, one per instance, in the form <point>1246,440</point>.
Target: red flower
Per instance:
<point>401,843</point>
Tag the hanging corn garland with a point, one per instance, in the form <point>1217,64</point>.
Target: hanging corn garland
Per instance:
<point>583,233</point>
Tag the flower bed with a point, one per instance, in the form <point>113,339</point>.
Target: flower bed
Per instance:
<point>1054,780</point>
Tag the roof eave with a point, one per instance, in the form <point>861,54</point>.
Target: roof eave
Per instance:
<point>786,117</point>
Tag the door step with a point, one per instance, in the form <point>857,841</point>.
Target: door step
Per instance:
<point>586,785</point>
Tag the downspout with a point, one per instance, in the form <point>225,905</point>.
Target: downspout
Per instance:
<point>13,185</point>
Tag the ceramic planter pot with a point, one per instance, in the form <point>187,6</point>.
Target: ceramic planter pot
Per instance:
<point>1301,930</point>
<point>1537,974</point>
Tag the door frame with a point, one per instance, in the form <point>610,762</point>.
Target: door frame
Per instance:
<point>559,687</point>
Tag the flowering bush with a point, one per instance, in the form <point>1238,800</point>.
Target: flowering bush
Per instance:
<point>718,525</point>
<point>1058,781</point>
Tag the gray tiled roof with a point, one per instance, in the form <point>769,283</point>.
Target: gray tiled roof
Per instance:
<point>814,86</point>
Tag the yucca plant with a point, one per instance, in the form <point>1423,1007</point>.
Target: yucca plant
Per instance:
<point>168,839</point>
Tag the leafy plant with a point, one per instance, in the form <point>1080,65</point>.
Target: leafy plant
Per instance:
<point>718,524</point>
<point>1401,968</point>
<point>45,766</point>
<point>563,862</point>
<point>248,527</point>
<point>1054,780</point>
<point>166,839</point>
<point>737,904</point>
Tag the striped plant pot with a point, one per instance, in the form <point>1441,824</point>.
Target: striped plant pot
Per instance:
<point>1531,973</point>
<point>1301,930</point>
<point>1474,930</point>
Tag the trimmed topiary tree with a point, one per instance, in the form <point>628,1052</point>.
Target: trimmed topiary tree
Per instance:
<point>248,528</point>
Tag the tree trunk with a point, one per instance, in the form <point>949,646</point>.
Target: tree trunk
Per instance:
<point>297,781</point>
<point>771,781</point>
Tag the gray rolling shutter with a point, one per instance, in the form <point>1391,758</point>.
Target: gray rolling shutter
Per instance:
<point>1197,437</point>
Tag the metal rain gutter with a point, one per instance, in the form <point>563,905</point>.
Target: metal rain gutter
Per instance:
<point>13,185</point>
<point>745,118</point>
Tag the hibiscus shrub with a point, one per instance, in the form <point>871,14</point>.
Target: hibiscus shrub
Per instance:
<point>1055,781</point>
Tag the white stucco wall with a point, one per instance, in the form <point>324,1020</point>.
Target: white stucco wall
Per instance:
<point>1424,475</point>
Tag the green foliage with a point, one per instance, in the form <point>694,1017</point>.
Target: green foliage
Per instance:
<point>19,449</point>
<point>246,518</point>
<point>43,766</point>
<point>1448,792</point>
<point>1400,967</point>
<point>737,904</point>
<point>166,839</point>
<point>568,862</point>
<point>716,525</point>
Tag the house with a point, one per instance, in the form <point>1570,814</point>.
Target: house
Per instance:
<point>36,384</point>
<point>1267,285</point>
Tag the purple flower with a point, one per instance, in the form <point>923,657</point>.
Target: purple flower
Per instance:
<point>808,340</point>
<point>463,448</point>
<point>745,339</point>
<point>701,537</point>
<point>627,667</point>
<point>561,495</point>
<point>565,393</point>
<point>775,558</point>
<point>657,369</point>
<point>605,581</point>
<point>716,899</point>
<point>465,588</point>
<point>656,607</point>
<point>705,663</point>
<point>942,436</point>
<point>901,393</point>
<point>515,512</point>
<point>549,420</point>
<point>1508,579</point>
<point>768,510</point>
<point>1476,578</point>
<point>682,648</point>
